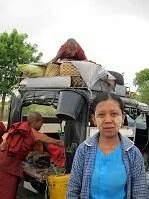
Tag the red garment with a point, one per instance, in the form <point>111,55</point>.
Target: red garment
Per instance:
<point>16,136</point>
<point>79,55</point>
<point>57,155</point>
<point>20,141</point>
<point>8,185</point>
<point>2,131</point>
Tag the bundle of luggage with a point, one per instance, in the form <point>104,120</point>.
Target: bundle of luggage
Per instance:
<point>53,70</point>
<point>82,73</point>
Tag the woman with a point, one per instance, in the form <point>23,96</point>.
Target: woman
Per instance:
<point>107,165</point>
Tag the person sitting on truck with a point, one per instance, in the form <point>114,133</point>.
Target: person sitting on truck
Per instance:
<point>70,50</point>
<point>107,165</point>
<point>18,142</point>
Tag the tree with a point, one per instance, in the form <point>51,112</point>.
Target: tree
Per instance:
<point>142,82</point>
<point>14,49</point>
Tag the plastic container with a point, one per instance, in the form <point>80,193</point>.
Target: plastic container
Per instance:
<point>69,105</point>
<point>57,186</point>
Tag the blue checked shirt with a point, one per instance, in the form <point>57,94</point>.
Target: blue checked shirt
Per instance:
<point>81,172</point>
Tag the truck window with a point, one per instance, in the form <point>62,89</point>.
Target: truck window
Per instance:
<point>51,124</point>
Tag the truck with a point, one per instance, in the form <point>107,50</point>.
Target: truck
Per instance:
<point>71,116</point>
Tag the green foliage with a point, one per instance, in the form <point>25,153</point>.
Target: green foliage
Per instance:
<point>142,77</point>
<point>14,49</point>
<point>43,109</point>
<point>144,93</point>
<point>142,82</point>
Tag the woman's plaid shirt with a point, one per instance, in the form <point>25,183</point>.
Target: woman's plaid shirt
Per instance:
<point>79,183</point>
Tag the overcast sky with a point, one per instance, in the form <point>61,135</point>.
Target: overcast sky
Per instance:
<point>113,33</point>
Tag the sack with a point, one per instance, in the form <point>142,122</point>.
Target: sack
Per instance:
<point>52,70</point>
<point>30,70</point>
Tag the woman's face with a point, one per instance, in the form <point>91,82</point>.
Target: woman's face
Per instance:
<point>108,117</point>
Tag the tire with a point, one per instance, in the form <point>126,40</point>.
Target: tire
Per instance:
<point>119,77</point>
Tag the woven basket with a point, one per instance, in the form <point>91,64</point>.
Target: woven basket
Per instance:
<point>77,81</point>
<point>68,69</point>
<point>52,70</point>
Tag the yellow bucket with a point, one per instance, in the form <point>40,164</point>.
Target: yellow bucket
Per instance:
<point>57,186</point>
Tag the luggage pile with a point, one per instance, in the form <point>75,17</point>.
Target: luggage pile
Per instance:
<point>82,73</point>
<point>53,70</point>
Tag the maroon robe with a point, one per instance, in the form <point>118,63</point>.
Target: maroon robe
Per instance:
<point>2,131</point>
<point>79,54</point>
<point>19,143</point>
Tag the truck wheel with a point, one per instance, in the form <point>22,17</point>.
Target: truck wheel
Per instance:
<point>119,77</point>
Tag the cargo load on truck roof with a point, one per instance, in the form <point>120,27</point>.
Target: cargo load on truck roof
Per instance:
<point>81,73</point>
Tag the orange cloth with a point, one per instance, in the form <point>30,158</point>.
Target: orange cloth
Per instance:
<point>57,155</point>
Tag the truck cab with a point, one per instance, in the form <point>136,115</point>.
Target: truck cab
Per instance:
<point>71,114</point>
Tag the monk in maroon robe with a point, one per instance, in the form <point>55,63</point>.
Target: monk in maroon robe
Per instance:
<point>2,131</point>
<point>19,142</point>
<point>70,50</point>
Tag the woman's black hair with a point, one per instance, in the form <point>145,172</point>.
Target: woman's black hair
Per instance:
<point>103,96</point>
